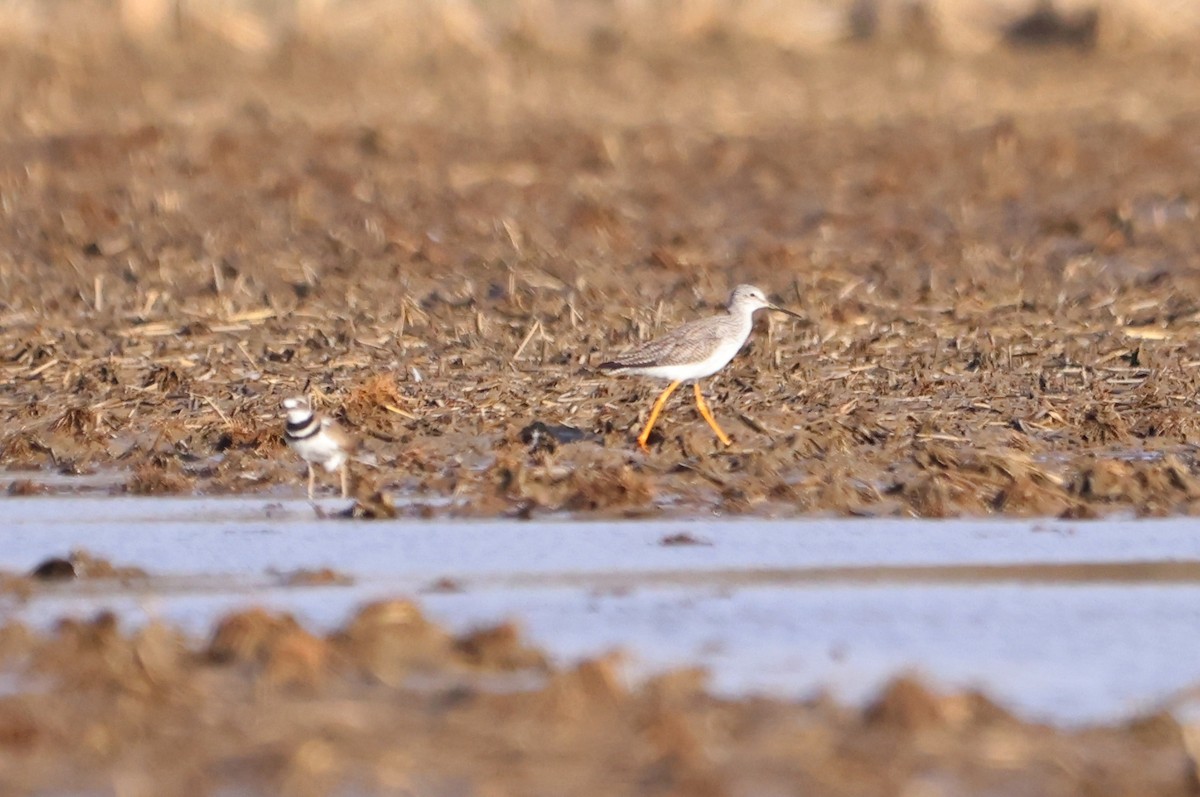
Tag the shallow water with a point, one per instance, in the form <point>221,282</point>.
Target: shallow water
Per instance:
<point>1063,621</point>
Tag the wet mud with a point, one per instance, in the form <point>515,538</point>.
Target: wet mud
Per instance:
<point>124,676</point>
<point>390,703</point>
<point>995,256</point>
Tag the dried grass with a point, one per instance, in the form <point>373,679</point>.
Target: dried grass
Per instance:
<point>78,422</point>
<point>157,478</point>
<point>1154,487</point>
<point>999,283</point>
<point>21,450</point>
<point>375,401</point>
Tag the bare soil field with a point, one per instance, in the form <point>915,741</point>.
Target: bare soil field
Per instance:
<point>995,256</point>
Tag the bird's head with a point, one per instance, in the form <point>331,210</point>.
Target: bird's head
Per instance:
<point>297,409</point>
<point>749,298</point>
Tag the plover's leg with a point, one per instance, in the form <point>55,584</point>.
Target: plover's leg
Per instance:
<point>312,478</point>
<point>345,479</point>
<point>708,416</point>
<point>654,413</point>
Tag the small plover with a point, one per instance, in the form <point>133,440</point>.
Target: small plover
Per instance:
<point>318,441</point>
<point>693,351</point>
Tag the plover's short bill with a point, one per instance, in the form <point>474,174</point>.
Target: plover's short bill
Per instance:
<point>318,441</point>
<point>693,351</point>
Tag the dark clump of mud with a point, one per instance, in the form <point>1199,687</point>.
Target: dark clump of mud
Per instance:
<point>57,570</point>
<point>392,703</point>
<point>994,254</point>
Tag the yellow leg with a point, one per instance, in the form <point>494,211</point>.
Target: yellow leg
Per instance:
<point>708,416</point>
<point>654,413</point>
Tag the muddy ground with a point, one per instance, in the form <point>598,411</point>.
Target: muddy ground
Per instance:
<point>393,704</point>
<point>996,257</point>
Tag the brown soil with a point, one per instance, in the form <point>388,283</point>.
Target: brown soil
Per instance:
<point>393,704</point>
<point>996,256</point>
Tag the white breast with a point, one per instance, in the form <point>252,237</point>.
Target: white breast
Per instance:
<point>320,449</point>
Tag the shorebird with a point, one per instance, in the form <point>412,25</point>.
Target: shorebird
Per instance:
<point>693,351</point>
<point>318,441</point>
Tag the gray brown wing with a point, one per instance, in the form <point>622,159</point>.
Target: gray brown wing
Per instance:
<point>345,439</point>
<point>690,342</point>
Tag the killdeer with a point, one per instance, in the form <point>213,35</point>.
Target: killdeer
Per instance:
<point>693,351</point>
<point>317,440</point>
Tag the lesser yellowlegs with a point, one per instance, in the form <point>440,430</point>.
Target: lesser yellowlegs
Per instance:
<point>693,351</point>
<point>318,441</point>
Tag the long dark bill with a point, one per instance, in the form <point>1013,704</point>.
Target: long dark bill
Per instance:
<point>778,309</point>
